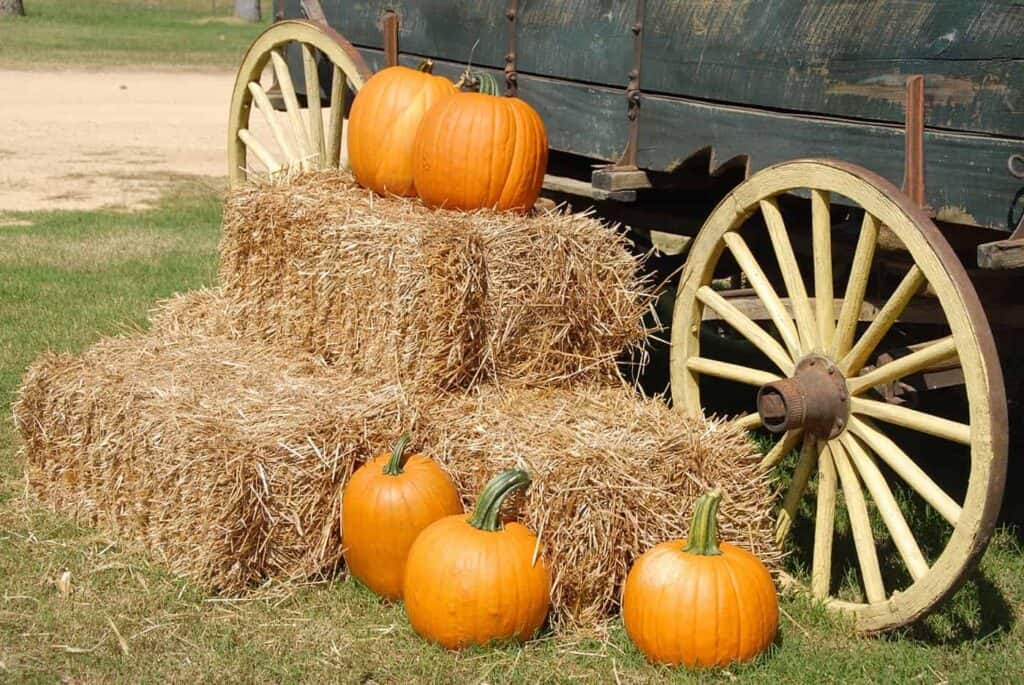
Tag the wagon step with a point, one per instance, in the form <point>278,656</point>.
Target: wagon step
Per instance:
<point>574,186</point>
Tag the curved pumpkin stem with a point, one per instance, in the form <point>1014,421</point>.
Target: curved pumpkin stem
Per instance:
<point>426,66</point>
<point>395,463</point>
<point>479,81</point>
<point>703,538</point>
<point>493,496</point>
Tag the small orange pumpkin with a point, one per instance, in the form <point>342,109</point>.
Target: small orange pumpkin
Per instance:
<point>385,505</point>
<point>383,122</point>
<point>470,580</point>
<point>477,150</point>
<point>699,603</point>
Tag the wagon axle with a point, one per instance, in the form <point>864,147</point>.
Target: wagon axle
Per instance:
<point>815,398</point>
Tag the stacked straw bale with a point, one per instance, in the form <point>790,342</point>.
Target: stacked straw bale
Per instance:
<point>437,298</point>
<point>223,459</point>
<point>220,440</point>
<point>613,475</point>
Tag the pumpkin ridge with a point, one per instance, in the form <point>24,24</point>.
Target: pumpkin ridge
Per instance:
<point>742,630</point>
<point>512,184</point>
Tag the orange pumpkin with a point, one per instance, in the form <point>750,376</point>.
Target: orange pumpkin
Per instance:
<point>478,150</point>
<point>385,505</point>
<point>383,123</point>
<point>699,603</point>
<point>470,579</point>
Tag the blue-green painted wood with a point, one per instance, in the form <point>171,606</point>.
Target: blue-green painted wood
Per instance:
<point>845,58</point>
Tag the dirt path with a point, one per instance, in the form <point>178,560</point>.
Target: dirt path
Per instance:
<point>90,139</point>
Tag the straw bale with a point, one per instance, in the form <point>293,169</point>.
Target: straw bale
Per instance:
<point>225,459</point>
<point>613,475</point>
<point>441,298</point>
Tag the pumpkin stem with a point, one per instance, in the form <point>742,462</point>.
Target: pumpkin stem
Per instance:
<point>479,81</point>
<point>426,66</point>
<point>488,505</point>
<point>703,538</point>
<point>395,463</point>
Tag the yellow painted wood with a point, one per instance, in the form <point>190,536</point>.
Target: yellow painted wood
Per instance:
<point>750,421</point>
<point>759,282</point>
<point>888,315</point>
<point>747,328</point>
<point>939,351</point>
<point>887,507</point>
<point>300,135</point>
<point>315,122</point>
<point>912,474</point>
<point>912,419</point>
<point>332,47</point>
<point>806,323</point>
<point>336,125</point>
<point>856,286</point>
<point>801,475</point>
<point>732,372</point>
<point>824,525</point>
<point>821,241</point>
<point>863,538</point>
<point>284,140</point>
<point>786,444</point>
<point>261,152</point>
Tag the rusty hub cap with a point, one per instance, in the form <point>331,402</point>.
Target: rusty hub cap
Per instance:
<point>815,398</point>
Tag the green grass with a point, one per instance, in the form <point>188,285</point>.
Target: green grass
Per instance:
<point>131,33</point>
<point>68,278</point>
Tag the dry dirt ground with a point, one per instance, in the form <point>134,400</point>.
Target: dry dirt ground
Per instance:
<point>89,139</point>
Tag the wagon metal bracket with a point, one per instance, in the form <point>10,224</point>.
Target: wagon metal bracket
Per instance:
<point>511,75</point>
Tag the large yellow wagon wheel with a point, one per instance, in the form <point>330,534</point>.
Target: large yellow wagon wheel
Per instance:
<point>302,138</point>
<point>817,389</point>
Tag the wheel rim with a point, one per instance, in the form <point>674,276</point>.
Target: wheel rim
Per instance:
<point>850,437</point>
<point>303,139</point>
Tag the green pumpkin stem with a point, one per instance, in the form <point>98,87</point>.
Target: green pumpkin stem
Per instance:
<point>426,66</point>
<point>479,81</point>
<point>486,514</point>
<point>394,465</point>
<point>703,538</point>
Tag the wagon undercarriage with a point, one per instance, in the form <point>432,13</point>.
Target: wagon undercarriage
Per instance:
<point>848,319</point>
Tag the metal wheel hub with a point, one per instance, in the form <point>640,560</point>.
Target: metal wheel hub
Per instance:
<point>815,398</point>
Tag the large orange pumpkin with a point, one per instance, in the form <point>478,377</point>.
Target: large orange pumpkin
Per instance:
<point>477,150</point>
<point>383,122</point>
<point>471,579</point>
<point>385,505</point>
<point>700,603</point>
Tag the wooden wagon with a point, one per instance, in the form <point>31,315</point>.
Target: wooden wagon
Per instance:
<point>764,141</point>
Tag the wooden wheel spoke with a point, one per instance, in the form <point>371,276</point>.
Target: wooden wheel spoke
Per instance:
<point>801,475</point>
<point>913,419</point>
<point>316,120</point>
<point>856,286</point>
<point>905,468</point>
<point>261,152</point>
<point>284,142</point>
<point>911,284</point>
<point>824,525</point>
<point>746,327</point>
<point>802,310</point>
<point>732,372</point>
<point>933,353</point>
<point>887,506</point>
<point>750,421</point>
<point>776,309</point>
<point>291,103</point>
<point>335,131</point>
<point>863,538</point>
<point>821,243</point>
<point>781,449</point>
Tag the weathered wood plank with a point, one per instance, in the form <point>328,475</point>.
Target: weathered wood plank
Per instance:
<point>1002,254</point>
<point>585,120</point>
<point>848,59</point>
<point>579,40</point>
<point>966,178</point>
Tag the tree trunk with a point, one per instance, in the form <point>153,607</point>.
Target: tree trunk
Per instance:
<point>249,10</point>
<point>11,8</point>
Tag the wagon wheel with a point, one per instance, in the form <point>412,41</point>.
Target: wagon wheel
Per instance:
<point>300,139</point>
<point>819,391</point>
